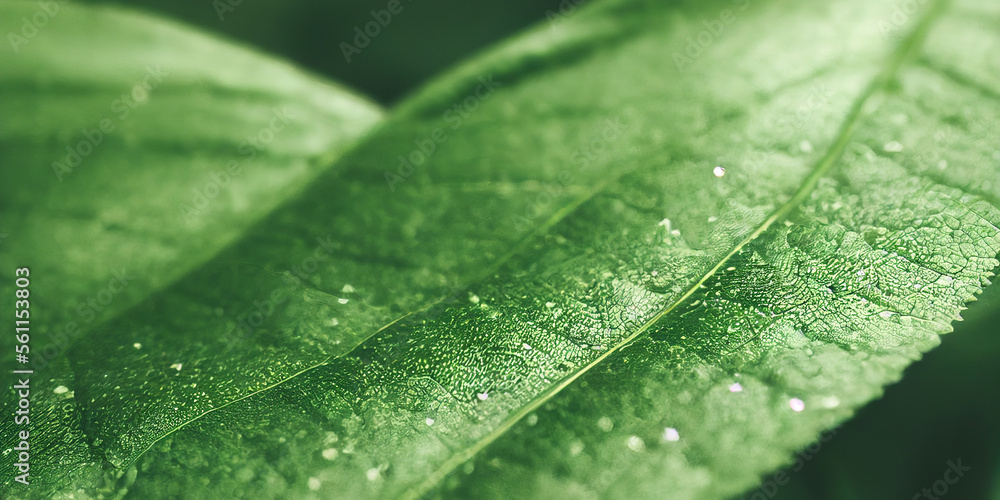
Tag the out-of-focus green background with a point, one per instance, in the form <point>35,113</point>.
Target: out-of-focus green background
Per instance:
<point>426,37</point>
<point>947,407</point>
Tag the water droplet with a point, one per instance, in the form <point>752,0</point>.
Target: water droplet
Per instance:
<point>671,434</point>
<point>372,474</point>
<point>713,219</point>
<point>177,366</point>
<point>635,443</point>
<point>796,404</point>
<point>532,419</point>
<point>473,298</point>
<point>831,402</point>
<point>892,147</point>
<point>62,389</point>
<point>719,171</point>
<point>347,289</point>
<point>885,314</point>
<point>429,421</point>
<point>526,347</point>
<point>945,280</point>
<point>314,483</point>
<point>550,305</point>
<point>137,345</point>
<point>343,301</point>
<point>482,396</point>
<point>736,387</point>
<point>805,146</point>
<point>862,273</point>
<point>576,448</point>
<point>334,321</point>
<point>605,424</point>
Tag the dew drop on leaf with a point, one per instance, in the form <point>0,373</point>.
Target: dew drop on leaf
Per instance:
<point>605,424</point>
<point>796,404</point>
<point>671,434</point>
<point>893,147</point>
<point>635,443</point>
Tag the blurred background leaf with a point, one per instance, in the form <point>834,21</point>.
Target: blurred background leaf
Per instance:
<point>426,37</point>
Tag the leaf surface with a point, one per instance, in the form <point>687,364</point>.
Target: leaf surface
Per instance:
<point>571,256</point>
<point>178,145</point>
<point>133,149</point>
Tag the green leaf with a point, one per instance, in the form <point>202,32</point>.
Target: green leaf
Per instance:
<point>133,149</point>
<point>569,286</point>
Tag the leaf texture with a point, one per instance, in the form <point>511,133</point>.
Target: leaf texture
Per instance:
<point>620,273</point>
